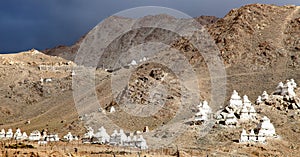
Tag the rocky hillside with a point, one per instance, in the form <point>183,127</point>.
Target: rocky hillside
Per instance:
<point>34,88</point>
<point>69,52</point>
<point>255,39</point>
<point>259,44</point>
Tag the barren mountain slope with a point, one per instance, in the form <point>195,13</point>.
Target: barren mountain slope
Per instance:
<point>29,92</point>
<point>252,41</point>
<point>69,52</point>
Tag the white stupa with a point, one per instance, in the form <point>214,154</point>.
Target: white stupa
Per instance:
<point>24,135</point>
<point>290,88</point>
<point>145,59</point>
<point>266,127</point>
<point>244,136</point>
<point>112,109</point>
<point>123,137</point>
<point>35,136</point>
<point>73,73</point>
<point>200,105</point>
<point>9,134</point>
<point>286,89</point>
<point>231,120</point>
<point>252,112</point>
<point>293,83</point>
<point>2,134</point>
<point>258,100</point>
<point>235,100</point>
<point>200,116</point>
<point>261,137</point>
<point>264,96</point>
<point>89,134</point>
<point>244,113</point>
<point>280,88</point>
<point>133,63</point>
<point>18,134</point>
<point>247,102</point>
<point>102,135</point>
<point>252,136</point>
<point>141,143</point>
<point>69,137</point>
<point>129,142</point>
<point>205,107</point>
<point>203,112</point>
<point>115,138</point>
<point>52,138</point>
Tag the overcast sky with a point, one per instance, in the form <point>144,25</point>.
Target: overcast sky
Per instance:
<point>40,24</point>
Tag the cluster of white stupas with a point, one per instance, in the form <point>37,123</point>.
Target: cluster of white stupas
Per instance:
<point>286,90</point>
<point>265,127</point>
<point>69,137</point>
<point>134,62</point>
<point>265,130</point>
<point>18,135</point>
<point>237,110</point>
<point>203,112</point>
<point>115,139</point>
<point>34,136</point>
<point>100,137</point>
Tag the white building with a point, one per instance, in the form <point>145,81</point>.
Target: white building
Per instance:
<point>264,96</point>
<point>231,119</point>
<point>9,134</point>
<point>89,134</point>
<point>112,109</point>
<point>25,136</point>
<point>258,100</point>
<point>252,137</point>
<point>203,112</point>
<point>69,137</point>
<point>35,136</point>
<point>248,113</point>
<point>101,136</point>
<point>141,143</point>
<point>18,135</point>
<point>244,137</point>
<point>261,137</point>
<point>247,102</point>
<point>52,138</point>
<point>200,116</point>
<point>136,142</point>
<point>252,113</point>
<point>133,63</point>
<point>235,100</point>
<point>115,138</point>
<point>244,115</point>
<point>266,127</point>
<point>286,89</point>
<point>2,134</point>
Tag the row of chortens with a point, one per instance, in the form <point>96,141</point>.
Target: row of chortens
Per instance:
<point>101,137</point>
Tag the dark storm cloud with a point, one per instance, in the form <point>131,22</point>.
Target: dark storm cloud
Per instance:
<point>26,24</point>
